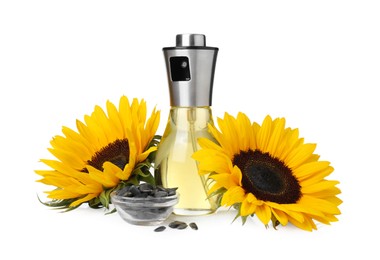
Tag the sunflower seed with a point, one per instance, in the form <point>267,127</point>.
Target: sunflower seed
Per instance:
<point>123,192</point>
<point>141,195</point>
<point>160,229</point>
<point>134,190</point>
<point>175,224</point>
<point>161,188</point>
<point>171,191</point>
<point>160,194</point>
<point>178,225</point>
<point>193,226</point>
<point>182,226</point>
<point>146,188</point>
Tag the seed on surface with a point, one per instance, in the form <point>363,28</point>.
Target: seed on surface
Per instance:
<point>182,226</point>
<point>193,226</point>
<point>160,229</point>
<point>176,223</point>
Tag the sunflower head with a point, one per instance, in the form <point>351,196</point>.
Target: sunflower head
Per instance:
<point>267,170</point>
<point>110,149</point>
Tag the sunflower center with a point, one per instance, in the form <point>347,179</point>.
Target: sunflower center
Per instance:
<point>268,178</point>
<point>116,153</point>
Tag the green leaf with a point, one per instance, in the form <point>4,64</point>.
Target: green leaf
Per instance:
<point>94,203</point>
<point>141,172</point>
<point>104,199</point>
<point>219,191</point>
<point>149,179</point>
<point>244,220</point>
<point>218,194</point>
<point>132,180</point>
<point>237,206</point>
<point>237,215</point>
<point>59,204</point>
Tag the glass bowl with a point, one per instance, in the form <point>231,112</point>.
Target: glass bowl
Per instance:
<point>144,211</point>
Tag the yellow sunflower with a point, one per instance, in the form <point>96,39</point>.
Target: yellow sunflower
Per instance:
<point>269,171</point>
<point>109,150</point>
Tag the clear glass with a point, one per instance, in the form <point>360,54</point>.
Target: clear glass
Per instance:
<point>144,211</point>
<point>174,165</point>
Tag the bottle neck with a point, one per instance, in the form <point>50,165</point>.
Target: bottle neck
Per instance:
<point>184,116</point>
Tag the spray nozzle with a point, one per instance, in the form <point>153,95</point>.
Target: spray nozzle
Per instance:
<point>187,40</point>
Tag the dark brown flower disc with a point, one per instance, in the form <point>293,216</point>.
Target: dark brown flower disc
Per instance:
<point>268,178</point>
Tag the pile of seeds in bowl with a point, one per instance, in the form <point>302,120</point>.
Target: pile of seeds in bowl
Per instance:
<point>145,190</point>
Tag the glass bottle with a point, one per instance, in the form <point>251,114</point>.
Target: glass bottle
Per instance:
<point>190,69</point>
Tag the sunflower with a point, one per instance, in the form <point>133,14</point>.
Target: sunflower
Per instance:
<point>109,150</point>
<point>267,170</point>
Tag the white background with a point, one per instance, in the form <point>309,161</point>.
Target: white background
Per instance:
<point>316,63</point>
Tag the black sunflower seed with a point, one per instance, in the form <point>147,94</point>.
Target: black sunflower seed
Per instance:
<point>160,229</point>
<point>160,194</point>
<point>146,187</point>
<point>193,226</point>
<point>176,223</point>
<point>134,190</point>
<point>182,226</point>
<point>171,191</point>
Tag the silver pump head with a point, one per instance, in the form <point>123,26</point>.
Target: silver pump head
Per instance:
<point>190,67</point>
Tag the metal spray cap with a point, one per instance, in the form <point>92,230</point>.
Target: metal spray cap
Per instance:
<point>190,68</point>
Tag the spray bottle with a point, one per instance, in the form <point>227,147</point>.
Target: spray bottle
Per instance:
<point>190,69</point>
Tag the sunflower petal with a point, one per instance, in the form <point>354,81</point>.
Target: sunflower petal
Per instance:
<point>264,134</point>
<point>233,195</point>
<point>276,135</point>
<point>280,216</point>
<point>264,213</point>
<point>248,206</point>
<point>299,155</point>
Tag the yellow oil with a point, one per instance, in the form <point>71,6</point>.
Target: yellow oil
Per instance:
<point>176,168</point>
